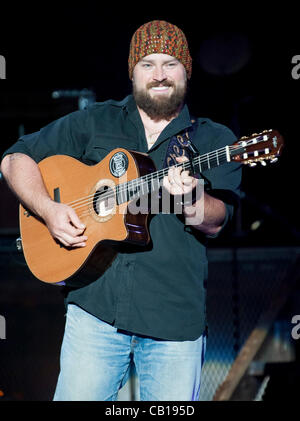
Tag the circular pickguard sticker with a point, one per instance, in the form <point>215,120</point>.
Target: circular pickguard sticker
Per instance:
<point>118,164</point>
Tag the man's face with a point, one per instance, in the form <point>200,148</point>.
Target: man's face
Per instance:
<point>159,85</point>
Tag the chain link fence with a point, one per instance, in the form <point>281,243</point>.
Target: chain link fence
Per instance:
<point>240,286</point>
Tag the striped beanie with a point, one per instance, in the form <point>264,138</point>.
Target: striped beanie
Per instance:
<point>159,37</point>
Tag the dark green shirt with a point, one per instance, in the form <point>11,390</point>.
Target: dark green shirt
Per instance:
<point>155,290</point>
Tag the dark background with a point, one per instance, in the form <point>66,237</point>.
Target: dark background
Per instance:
<point>242,77</point>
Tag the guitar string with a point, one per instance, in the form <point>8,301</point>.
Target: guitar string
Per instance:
<point>133,183</point>
<point>218,158</point>
<point>211,157</point>
<point>86,210</point>
<point>142,181</point>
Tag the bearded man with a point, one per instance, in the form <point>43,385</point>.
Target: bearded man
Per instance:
<point>148,308</point>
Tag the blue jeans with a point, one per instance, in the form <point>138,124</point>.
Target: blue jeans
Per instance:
<point>96,357</point>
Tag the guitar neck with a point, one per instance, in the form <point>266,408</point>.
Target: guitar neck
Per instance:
<point>152,182</point>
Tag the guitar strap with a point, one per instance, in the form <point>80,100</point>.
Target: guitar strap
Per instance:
<point>181,144</point>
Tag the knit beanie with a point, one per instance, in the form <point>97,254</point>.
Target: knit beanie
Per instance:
<point>159,37</point>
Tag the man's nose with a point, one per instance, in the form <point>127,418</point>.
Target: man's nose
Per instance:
<point>159,74</point>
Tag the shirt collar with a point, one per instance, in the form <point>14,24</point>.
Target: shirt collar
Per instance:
<point>178,124</point>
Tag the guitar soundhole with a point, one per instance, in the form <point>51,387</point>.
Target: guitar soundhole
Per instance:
<point>104,201</point>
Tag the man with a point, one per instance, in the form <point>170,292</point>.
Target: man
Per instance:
<point>149,305</point>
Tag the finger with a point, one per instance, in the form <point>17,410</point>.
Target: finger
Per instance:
<point>171,186</point>
<point>67,231</point>
<point>74,232</point>
<point>171,173</point>
<point>185,175</point>
<point>187,180</point>
<point>174,175</point>
<point>66,244</point>
<point>170,176</point>
<point>79,245</point>
<point>75,220</point>
<point>70,241</point>
<point>181,158</point>
<point>78,239</point>
<point>183,179</point>
<point>61,240</point>
<point>175,185</point>
<point>167,183</point>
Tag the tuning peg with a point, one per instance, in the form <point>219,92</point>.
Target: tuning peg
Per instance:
<point>274,160</point>
<point>252,164</point>
<point>263,163</point>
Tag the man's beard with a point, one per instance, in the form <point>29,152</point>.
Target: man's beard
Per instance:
<point>161,107</point>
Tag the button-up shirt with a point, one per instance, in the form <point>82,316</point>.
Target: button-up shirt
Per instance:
<point>157,290</point>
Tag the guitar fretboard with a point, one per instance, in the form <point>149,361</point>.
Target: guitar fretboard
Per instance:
<point>151,182</point>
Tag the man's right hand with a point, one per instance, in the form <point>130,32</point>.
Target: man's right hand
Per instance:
<point>64,224</point>
<point>24,178</point>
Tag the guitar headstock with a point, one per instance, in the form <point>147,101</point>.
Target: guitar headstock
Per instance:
<point>258,147</point>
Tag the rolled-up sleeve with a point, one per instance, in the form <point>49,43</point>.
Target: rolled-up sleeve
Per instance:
<point>224,181</point>
<point>67,135</point>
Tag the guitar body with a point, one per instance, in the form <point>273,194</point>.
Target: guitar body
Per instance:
<point>80,186</point>
<point>100,195</point>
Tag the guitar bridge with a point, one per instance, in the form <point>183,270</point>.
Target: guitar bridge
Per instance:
<point>56,193</point>
<point>19,244</point>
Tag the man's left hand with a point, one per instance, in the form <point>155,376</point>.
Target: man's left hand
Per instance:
<point>179,181</point>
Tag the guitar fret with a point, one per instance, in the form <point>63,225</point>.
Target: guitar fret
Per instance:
<point>152,182</point>
<point>101,200</point>
<point>208,164</point>
<point>125,195</point>
<point>227,153</point>
<point>118,195</point>
<point>147,184</point>
<point>158,184</point>
<point>200,167</point>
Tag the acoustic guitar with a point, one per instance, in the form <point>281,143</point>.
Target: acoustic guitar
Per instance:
<point>101,195</point>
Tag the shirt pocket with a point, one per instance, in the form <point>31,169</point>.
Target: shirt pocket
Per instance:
<point>101,145</point>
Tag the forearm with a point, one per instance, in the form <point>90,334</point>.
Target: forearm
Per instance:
<point>25,180</point>
<point>207,214</point>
